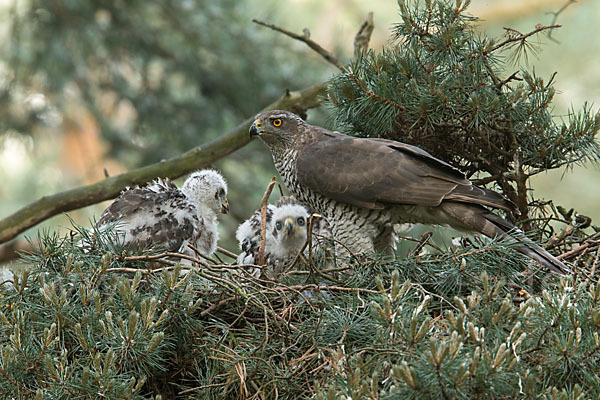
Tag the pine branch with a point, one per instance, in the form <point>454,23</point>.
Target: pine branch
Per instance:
<point>200,157</point>
<point>521,37</point>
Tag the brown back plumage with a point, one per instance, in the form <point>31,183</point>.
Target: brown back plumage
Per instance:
<point>146,214</point>
<point>373,173</point>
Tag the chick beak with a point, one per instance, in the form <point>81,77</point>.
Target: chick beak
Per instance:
<point>255,129</point>
<point>289,226</point>
<point>225,207</point>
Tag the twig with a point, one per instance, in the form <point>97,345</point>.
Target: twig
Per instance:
<point>163,255</point>
<point>199,254</point>
<point>299,254</point>
<point>513,77</point>
<point>263,222</point>
<point>308,243</point>
<point>559,237</point>
<point>470,253</point>
<point>522,36</point>
<point>510,175</point>
<point>210,385</point>
<point>428,243</point>
<point>325,271</point>
<point>172,266</point>
<point>556,14</point>
<point>306,39</point>
<point>442,298</point>
<point>227,253</point>
<point>311,223</point>
<point>490,70</point>
<point>423,241</point>
<point>321,287</point>
<point>217,305</point>
<point>574,251</point>
<point>363,36</point>
<point>593,269</point>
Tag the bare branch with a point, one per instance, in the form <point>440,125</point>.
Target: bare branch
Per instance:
<point>363,36</point>
<point>263,222</point>
<point>306,39</point>
<point>423,241</point>
<point>199,157</point>
<point>227,253</point>
<point>556,14</point>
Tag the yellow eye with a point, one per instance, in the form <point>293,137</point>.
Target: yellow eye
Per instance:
<point>277,122</point>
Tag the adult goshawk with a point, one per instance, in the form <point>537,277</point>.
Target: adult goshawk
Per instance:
<point>366,186</point>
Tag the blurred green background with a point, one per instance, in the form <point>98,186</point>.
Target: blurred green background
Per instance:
<point>88,86</point>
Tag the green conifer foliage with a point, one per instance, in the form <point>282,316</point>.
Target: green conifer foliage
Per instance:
<point>91,320</point>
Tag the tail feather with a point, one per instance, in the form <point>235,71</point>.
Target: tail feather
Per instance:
<point>478,219</point>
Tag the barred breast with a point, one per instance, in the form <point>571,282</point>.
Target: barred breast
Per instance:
<point>359,230</point>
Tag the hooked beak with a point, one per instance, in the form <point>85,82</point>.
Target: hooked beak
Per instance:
<point>255,129</point>
<point>225,207</point>
<point>289,226</point>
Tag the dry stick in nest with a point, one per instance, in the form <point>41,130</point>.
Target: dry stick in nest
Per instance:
<point>205,273</point>
<point>593,269</point>
<point>263,222</point>
<point>577,250</point>
<point>199,254</point>
<point>422,242</point>
<point>227,253</point>
<point>157,257</point>
<point>418,241</point>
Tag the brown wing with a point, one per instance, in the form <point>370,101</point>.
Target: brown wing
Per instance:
<point>374,172</point>
<point>128,203</point>
<point>132,201</point>
<point>148,217</point>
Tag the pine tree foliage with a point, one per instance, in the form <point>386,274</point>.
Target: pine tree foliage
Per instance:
<point>89,320</point>
<point>453,91</point>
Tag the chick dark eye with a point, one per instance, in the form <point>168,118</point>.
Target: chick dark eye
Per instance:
<point>277,122</point>
<point>221,192</point>
<point>278,225</point>
<point>300,221</point>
